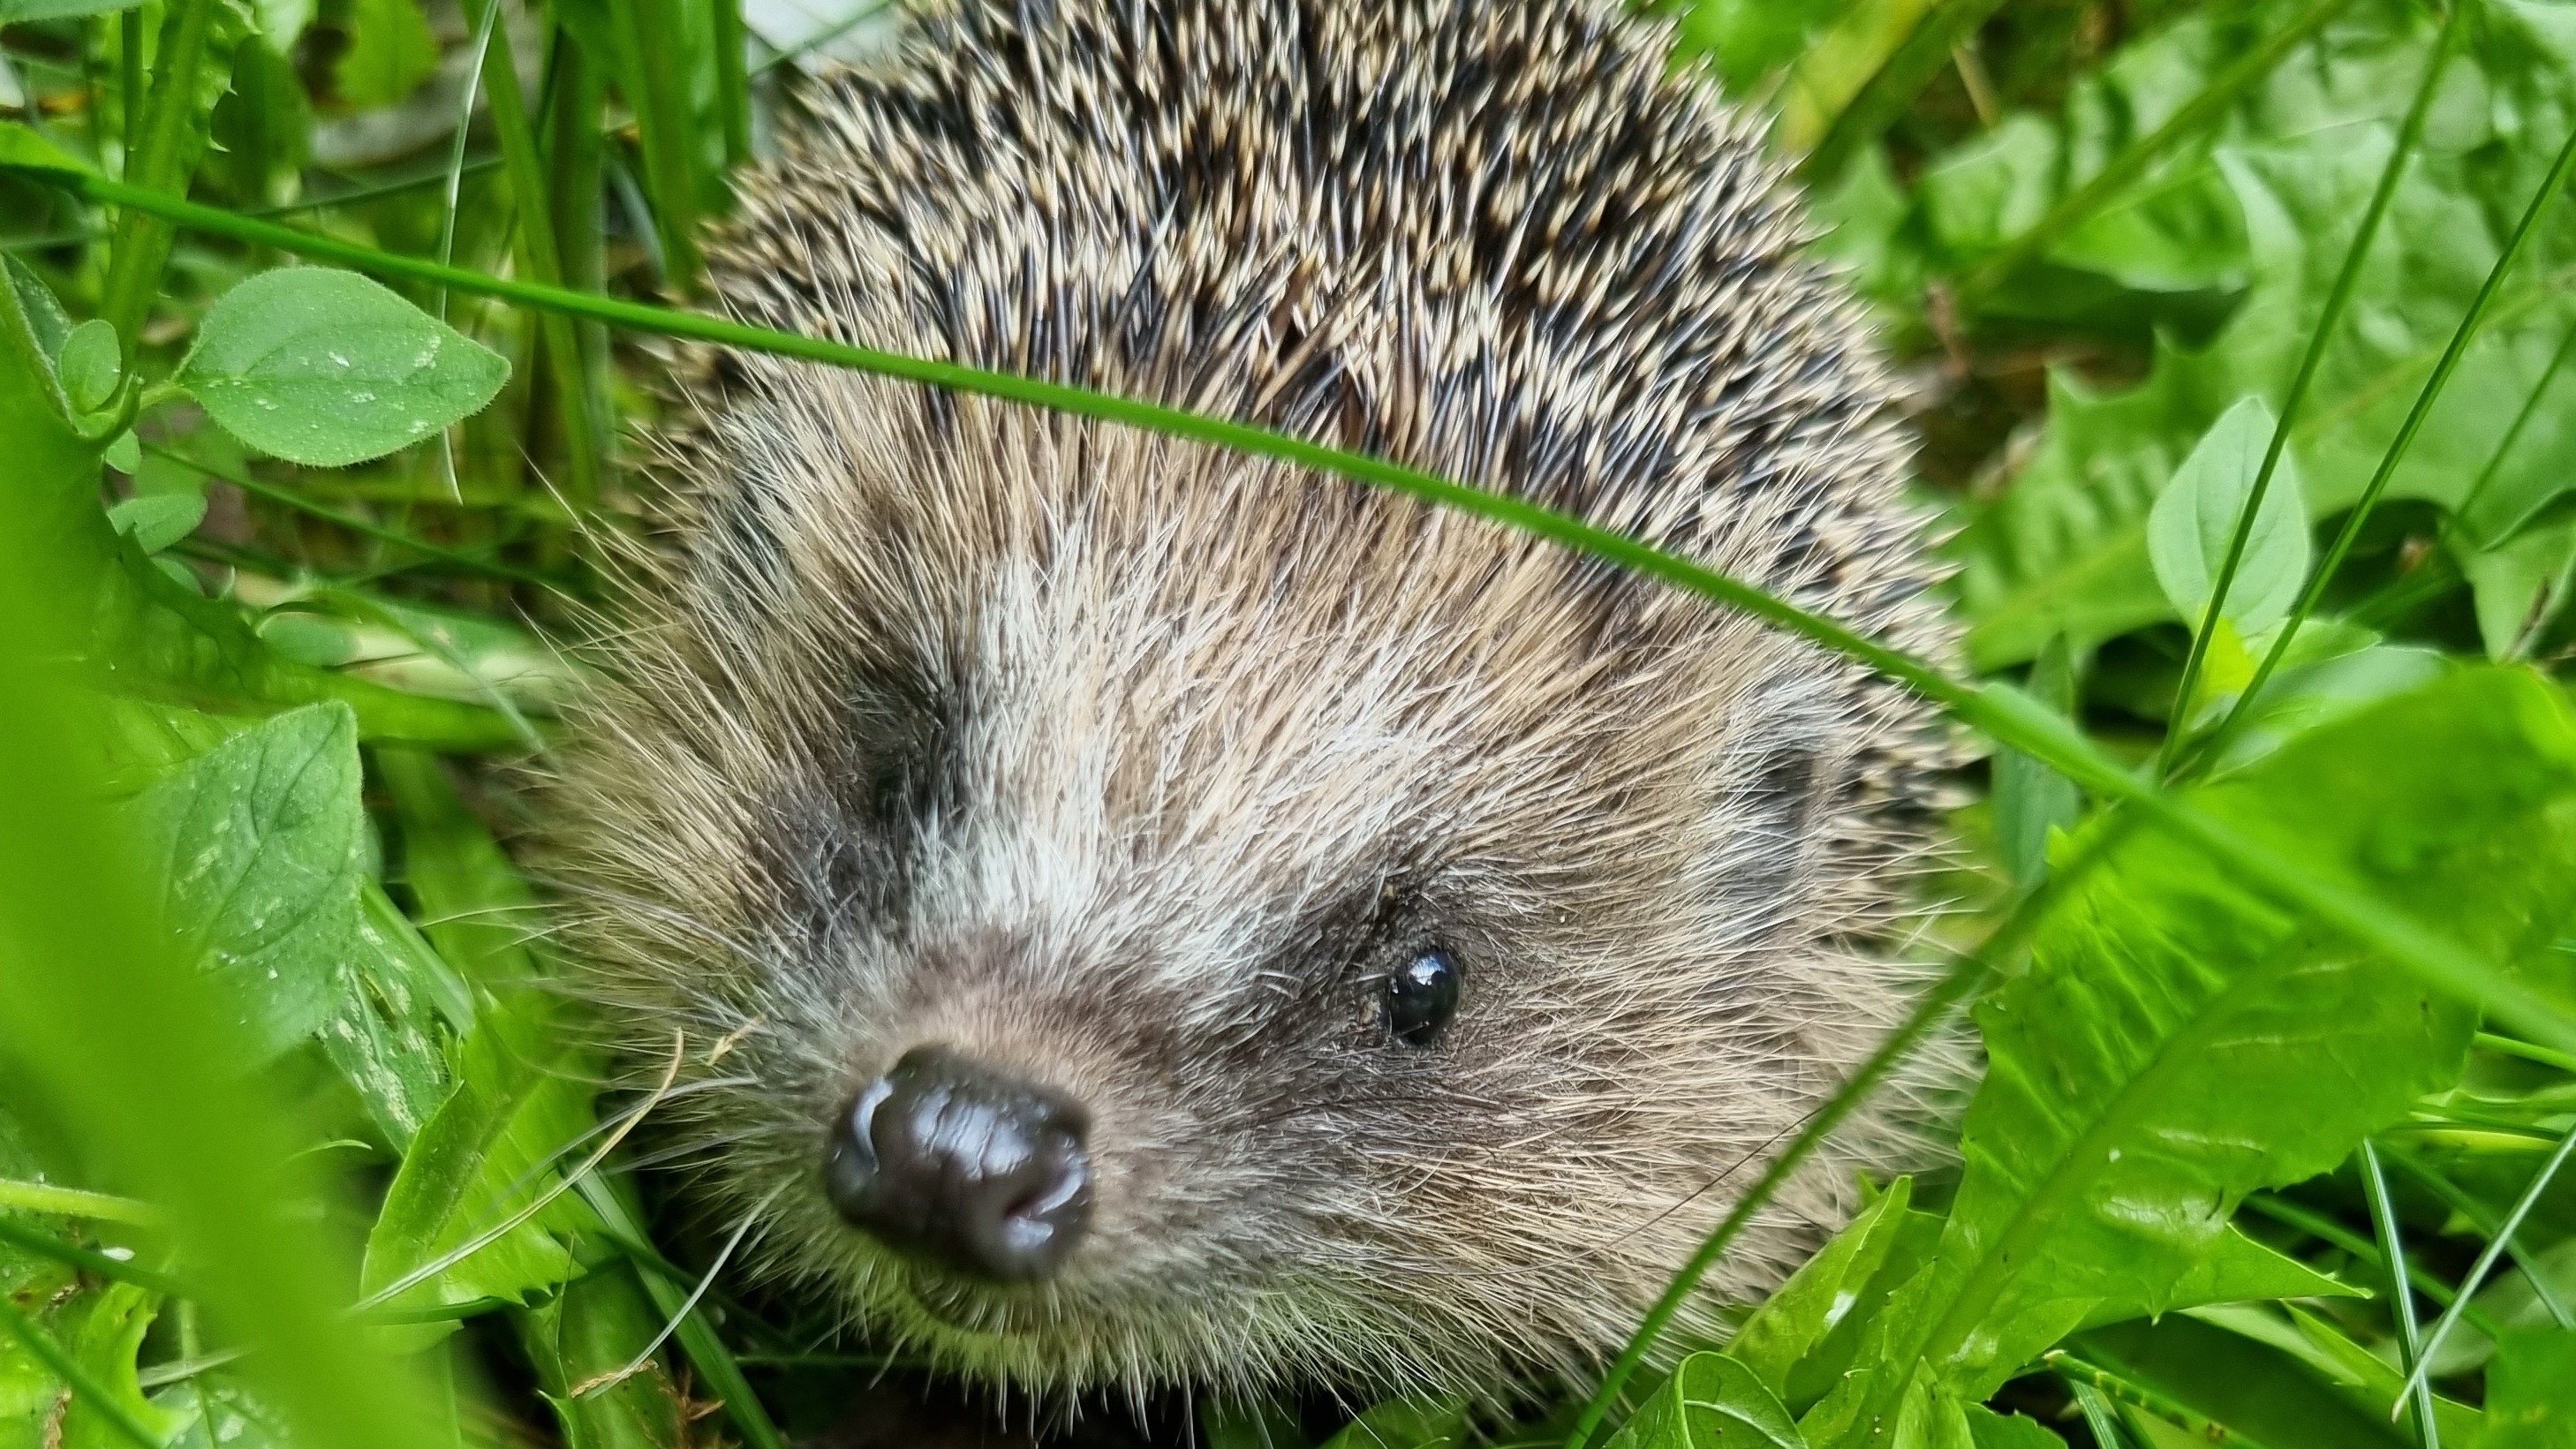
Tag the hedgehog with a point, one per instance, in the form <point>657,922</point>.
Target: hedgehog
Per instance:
<point>1116,913</point>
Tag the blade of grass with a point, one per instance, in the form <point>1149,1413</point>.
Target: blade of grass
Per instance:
<point>649,56</point>
<point>1999,712</point>
<point>576,103</point>
<point>697,1337</point>
<point>733,83</point>
<point>543,261</point>
<point>90,987</point>
<point>71,1202</point>
<point>2525,1050</point>
<point>2326,1230</point>
<point>84,1388</point>
<point>2417,1394</point>
<point>2410,132</point>
<point>2461,337</point>
<point>1883,97</point>
<point>2501,1238</point>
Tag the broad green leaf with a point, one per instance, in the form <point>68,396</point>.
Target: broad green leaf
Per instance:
<point>383,1034</point>
<point>101,1327</point>
<point>1711,1400</point>
<point>2178,1041</point>
<point>1406,1424</point>
<point>44,313</point>
<point>2531,1392</point>
<point>259,843</point>
<point>218,1412</point>
<point>517,1118</point>
<point>2195,518</point>
<point>390,53</point>
<point>88,365</point>
<point>327,368</point>
<point>1821,1294</point>
<point>158,520</point>
<point>2236,1269</point>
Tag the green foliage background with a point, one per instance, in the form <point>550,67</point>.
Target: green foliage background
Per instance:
<point>2238,337</point>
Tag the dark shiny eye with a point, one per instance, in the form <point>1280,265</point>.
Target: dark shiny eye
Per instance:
<point>1421,996</point>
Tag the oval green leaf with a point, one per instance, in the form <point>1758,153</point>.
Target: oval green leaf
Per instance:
<point>326,368</point>
<point>2195,518</point>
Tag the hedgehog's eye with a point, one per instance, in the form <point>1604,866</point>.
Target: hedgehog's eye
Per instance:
<point>1421,996</point>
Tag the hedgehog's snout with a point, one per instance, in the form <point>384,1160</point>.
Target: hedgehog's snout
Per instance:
<point>946,1157</point>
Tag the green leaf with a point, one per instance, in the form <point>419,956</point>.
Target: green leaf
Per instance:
<point>2178,1041</point>
<point>1406,1424</point>
<point>2195,519</point>
<point>2236,1270</point>
<point>259,840</point>
<point>488,1152</point>
<point>218,1412</point>
<point>326,368</point>
<point>383,1034</point>
<point>2032,801</point>
<point>1990,1430</point>
<point>1821,1294</point>
<point>22,149</point>
<point>157,520</point>
<point>2531,1392</point>
<point>88,365</point>
<point>390,53</point>
<point>45,316</point>
<point>1711,1399</point>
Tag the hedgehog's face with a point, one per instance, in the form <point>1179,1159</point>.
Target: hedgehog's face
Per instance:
<point>1362,964</point>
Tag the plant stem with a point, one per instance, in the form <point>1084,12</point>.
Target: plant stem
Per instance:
<point>733,84</point>
<point>2409,133</point>
<point>170,140</point>
<point>2401,1299</point>
<point>2509,1047</point>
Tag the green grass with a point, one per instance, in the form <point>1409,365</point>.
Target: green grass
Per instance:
<point>2240,334</point>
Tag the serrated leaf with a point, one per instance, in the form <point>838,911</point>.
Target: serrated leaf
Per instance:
<point>327,368</point>
<point>259,843</point>
<point>1710,1400</point>
<point>2195,518</point>
<point>2178,1041</point>
<point>157,520</point>
<point>1821,1294</point>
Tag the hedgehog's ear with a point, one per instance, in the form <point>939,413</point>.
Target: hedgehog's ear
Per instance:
<point>1782,754</point>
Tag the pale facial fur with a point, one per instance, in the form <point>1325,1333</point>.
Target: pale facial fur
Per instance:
<point>1132,767</point>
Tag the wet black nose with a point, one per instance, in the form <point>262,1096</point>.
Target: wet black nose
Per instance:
<point>947,1157</point>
